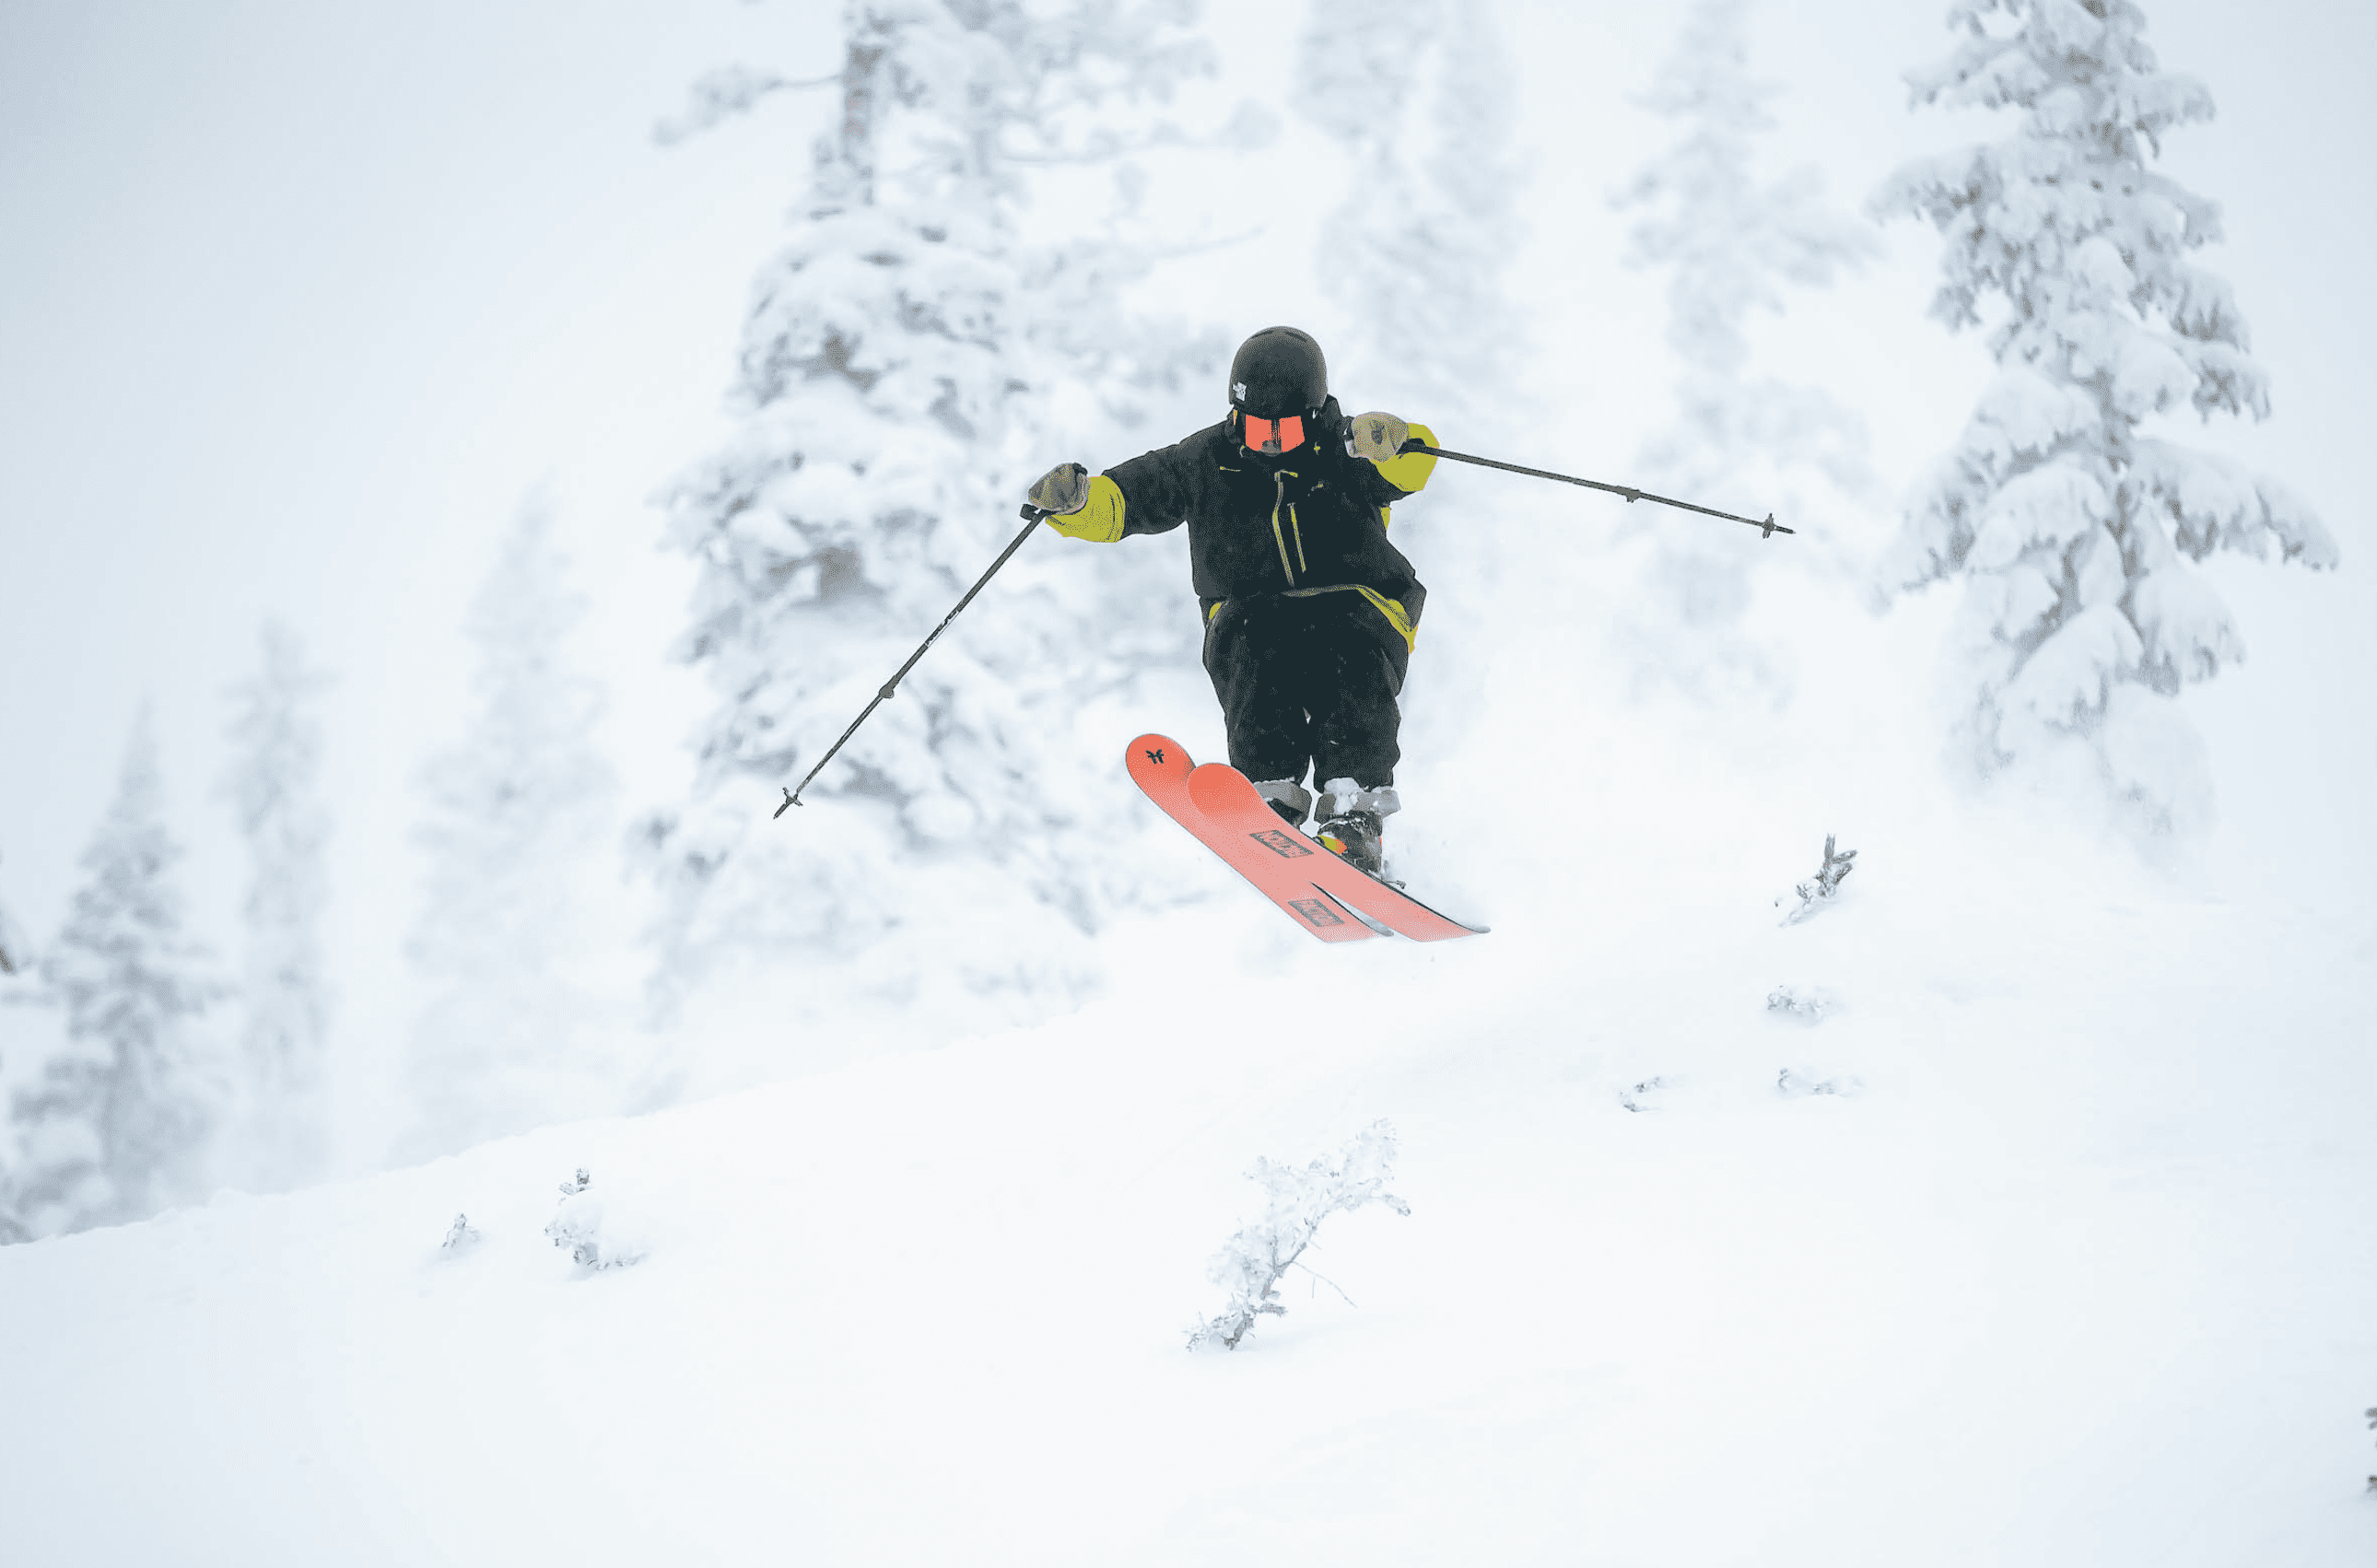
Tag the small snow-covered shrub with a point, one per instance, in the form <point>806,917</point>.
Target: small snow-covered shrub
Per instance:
<point>460,1237</point>
<point>1294,1203</point>
<point>1796,1083</point>
<point>1633,1095</point>
<point>1818,892</point>
<point>1812,1006</point>
<point>596,1236</point>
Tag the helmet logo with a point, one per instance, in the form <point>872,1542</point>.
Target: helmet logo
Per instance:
<point>1238,390</point>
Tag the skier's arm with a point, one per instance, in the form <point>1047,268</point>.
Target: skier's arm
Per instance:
<point>1156,491</point>
<point>1149,494</point>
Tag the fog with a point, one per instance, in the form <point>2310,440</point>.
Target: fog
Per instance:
<point>301,303</point>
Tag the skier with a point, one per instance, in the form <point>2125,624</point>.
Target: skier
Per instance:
<point>1309,613</point>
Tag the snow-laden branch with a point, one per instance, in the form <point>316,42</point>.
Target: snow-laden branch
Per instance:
<point>1819,891</point>
<point>720,95</point>
<point>1251,1262</point>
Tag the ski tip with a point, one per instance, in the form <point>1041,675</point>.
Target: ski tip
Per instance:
<point>1159,752</point>
<point>1160,767</point>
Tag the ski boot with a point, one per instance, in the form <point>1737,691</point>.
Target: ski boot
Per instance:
<point>1286,796</point>
<point>1359,838</point>
<point>1353,825</point>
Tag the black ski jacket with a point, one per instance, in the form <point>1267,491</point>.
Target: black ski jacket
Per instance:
<point>1313,520</point>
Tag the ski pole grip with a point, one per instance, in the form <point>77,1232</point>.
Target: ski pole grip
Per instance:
<point>1032,514</point>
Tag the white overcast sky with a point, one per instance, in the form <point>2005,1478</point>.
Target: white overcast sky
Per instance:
<point>297,301</point>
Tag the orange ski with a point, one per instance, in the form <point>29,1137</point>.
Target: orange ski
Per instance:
<point>1328,898</point>
<point>1161,767</point>
<point>1230,805</point>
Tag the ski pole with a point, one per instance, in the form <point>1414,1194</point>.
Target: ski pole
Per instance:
<point>1033,516</point>
<point>1766,529</point>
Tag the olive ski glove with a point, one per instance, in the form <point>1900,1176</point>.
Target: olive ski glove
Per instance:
<point>1064,488</point>
<point>1376,437</point>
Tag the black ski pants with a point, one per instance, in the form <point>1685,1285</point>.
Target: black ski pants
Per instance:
<point>1307,680</point>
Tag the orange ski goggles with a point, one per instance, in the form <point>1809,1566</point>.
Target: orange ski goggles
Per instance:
<point>1272,436</point>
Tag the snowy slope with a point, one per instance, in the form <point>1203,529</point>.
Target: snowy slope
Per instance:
<point>2074,1264</point>
<point>2077,1270</point>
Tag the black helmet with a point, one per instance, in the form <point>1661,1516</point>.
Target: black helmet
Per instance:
<point>1279,372</point>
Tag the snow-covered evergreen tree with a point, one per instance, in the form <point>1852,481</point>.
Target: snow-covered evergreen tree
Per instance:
<point>2072,524</point>
<point>20,1005</point>
<point>1418,257</point>
<point>1729,241</point>
<point>118,1125</point>
<point>15,948</point>
<point>518,816</point>
<point>15,951</point>
<point>929,340</point>
<point>1419,250</point>
<point>274,787</point>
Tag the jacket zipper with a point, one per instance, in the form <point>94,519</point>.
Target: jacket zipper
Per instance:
<point>1279,498</point>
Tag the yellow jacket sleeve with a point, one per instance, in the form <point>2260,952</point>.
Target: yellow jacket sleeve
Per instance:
<point>1100,519</point>
<point>1410,472</point>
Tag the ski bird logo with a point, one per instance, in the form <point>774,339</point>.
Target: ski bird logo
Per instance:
<point>1156,756</point>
